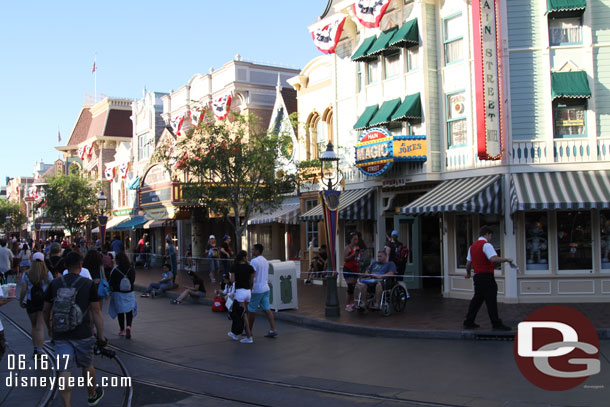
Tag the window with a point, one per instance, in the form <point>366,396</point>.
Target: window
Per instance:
<point>536,241</point>
<point>143,147</point>
<point>311,226</point>
<point>574,240</point>
<point>392,64</point>
<point>605,238</point>
<point>373,69</point>
<point>453,39</point>
<point>564,31</point>
<point>321,134</point>
<point>412,58</point>
<point>359,76</point>
<point>569,118</point>
<point>463,239</point>
<point>456,119</point>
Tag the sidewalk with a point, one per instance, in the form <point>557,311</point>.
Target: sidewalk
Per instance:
<point>425,316</point>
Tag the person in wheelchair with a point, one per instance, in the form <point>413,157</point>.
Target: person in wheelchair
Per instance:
<point>377,278</point>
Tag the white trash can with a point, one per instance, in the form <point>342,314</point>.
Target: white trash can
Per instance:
<point>283,285</point>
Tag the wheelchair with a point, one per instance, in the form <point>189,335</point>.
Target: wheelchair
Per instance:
<point>394,296</point>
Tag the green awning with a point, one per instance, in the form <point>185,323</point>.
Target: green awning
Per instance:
<point>131,224</point>
<point>409,109</point>
<point>553,6</point>
<point>381,44</point>
<point>384,114</point>
<point>361,52</point>
<point>365,117</point>
<point>570,85</point>
<point>406,36</point>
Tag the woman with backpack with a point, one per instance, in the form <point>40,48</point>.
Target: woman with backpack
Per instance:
<point>24,256</point>
<point>35,282</point>
<point>123,299</point>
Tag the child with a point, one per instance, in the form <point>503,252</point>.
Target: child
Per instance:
<point>164,284</point>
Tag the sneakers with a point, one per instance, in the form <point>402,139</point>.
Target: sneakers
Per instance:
<point>128,333</point>
<point>349,308</point>
<point>122,332</point>
<point>502,328</point>
<point>471,325</point>
<point>152,294</point>
<point>145,295</point>
<point>308,282</point>
<point>233,336</point>
<point>176,302</point>
<point>247,340</point>
<point>94,400</point>
<point>271,334</point>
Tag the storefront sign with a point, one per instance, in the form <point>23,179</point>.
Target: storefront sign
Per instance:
<point>156,196</point>
<point>488,79</point>
<point>122,212</point>
<point>377,150</point>
<point>161,213</point>
<point>569,123</point>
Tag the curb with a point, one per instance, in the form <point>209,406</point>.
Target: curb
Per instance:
<point>300,320</point>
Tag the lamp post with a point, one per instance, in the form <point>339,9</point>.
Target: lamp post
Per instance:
<point>329,170</point>
<point>102,220</point>
<point>37,226</point>
<point>8,227</point>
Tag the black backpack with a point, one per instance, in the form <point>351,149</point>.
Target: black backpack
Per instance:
<point>36,297</point>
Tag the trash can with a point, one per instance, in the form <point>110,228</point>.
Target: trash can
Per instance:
<point>283,285</point>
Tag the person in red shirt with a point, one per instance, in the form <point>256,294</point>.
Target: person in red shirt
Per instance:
<point>482,257</point>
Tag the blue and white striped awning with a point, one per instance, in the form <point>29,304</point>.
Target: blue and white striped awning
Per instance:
<point>560,190</point>
<point>356,204</point>
<point>287,213</point>
<point>466,195</point>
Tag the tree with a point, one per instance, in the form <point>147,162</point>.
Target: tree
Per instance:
<point>70,201</point>
<point>229,167</point>
<point>12,210</point>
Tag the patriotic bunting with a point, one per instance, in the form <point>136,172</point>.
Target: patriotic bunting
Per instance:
<point>176,124</point>
<point>32,192</point>
<point>196,115</point>
<point>221,107</point>
<point>123,168</point>
<point>370,12</point>
<point>109,173</point>
<point>326,38</point>
<point>90,150</point>
<point>81,153</point>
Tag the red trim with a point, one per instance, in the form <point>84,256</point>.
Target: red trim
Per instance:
<point>378,17</point>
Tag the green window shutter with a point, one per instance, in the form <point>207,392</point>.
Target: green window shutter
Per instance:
<point>406,36</point>
<point>365,117</point>
<point>384,113</point>
<point>570,85</point>
<point>361,53</point>
<point>410,109</point>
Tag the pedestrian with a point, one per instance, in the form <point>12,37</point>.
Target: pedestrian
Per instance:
<point>213,254</point>
<point>34,283</point>
<point>72,338</point>
<point>117,245</point>
<point>55,263</point>
<point>93,263</point>
<point>164,284</point>
<point>3,301</point>
<point>482,257</point>
<point>242,275</point>
<point>172,257</point>
<point>6,258</point>
<point>123,302</point>
<point>351,268</point>
<point>260,290</point>
<point>318,265</point>
<point>196,291</point>
<point>226,254</point>
<point>25,255</point>
<point>141,250</point>
<point>107,259</point>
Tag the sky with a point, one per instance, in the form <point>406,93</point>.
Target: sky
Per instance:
<point>47,51</point>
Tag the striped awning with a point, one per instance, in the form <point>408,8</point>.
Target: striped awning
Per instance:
<point>286,214</point>
<point>560,190</point>
<point>467,195</point>
<point>357,204</point>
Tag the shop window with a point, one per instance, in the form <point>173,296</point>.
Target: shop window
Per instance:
<point>456,120</point>
<point>392,64</point>
<point>569,118</point>
<point>412,59</point>
<point>311,226</point>
<point>605,238</point>
<point>358,76</point>
<point>574,240</point>
<point>372,73</point>
<point>143,147</point>
<point>453,39</point>
<point>565,31</point>
<point>536,241</point>
<point>463,239</point>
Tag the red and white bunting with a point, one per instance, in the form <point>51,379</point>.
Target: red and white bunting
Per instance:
<point>123,168</point>
<point>109,173</point>
<point>176,124</point>
<point>327,37</point>
<point>221,107</point>
<point>90,150</point>
<point>81,153</point>
<point>196,115</point>
<point>32,192</point>
<point>370,12</point>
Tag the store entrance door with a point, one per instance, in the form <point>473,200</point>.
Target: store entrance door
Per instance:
<point>431,253</point>
<point>408,228</point>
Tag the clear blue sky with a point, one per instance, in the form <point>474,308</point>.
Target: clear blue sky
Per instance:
<point>47,50</point>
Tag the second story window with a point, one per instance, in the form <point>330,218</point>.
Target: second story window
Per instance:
<point>565,31</point>
<point>372,74</point>
<point>457,131</point>
<point>392,64</point>
<point>358,76</point>
<point>412,59</point>
<point>453,39</point>
<point>569,118</point>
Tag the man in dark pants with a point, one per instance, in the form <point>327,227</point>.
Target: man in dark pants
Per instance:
<point>483,257</point>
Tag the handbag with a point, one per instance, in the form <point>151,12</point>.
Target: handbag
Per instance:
<point>230,297</point>
<point>103,289</point>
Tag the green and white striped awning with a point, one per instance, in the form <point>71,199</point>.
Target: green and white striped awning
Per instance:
<point>554,6</point>
<point>357,204</point>
<point>560,190</point>
<point>467,195</point>
<point>287,213</point>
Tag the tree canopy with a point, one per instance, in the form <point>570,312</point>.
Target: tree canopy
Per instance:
<point>12,210</point>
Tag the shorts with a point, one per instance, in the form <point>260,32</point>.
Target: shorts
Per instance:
<point>76,351</point>
<point>243,295</point>
<point>259,299</point>
<point>348,274</point>
<point>32,308</point>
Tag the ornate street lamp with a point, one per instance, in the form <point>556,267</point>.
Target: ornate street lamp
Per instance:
<point>329,171</point>
<point>37,227</point>
<point>8,227</point>
<point>102,220</point>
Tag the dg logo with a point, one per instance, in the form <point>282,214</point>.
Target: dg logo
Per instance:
<point>557,348</point>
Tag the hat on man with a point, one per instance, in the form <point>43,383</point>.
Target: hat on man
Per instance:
<point>225,237</point>
<point>211,237</point>
<point>38,256</point>
<point>395,233</point>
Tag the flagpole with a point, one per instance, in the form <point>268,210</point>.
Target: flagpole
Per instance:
<point>94,78</point>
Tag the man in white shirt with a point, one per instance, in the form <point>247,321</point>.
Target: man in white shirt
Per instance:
<point>260,290</point>
<point>6,257</point>
<point>83,273</point>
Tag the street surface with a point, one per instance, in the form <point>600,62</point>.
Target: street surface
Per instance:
<point>180,355</point>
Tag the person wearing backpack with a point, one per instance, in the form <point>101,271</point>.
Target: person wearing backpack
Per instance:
<point>123,299</point>
<point>35,282</point>
<point>55,263</point>
<point>67,303</point>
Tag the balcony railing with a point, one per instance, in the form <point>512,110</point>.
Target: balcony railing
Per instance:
<point>563,151</point>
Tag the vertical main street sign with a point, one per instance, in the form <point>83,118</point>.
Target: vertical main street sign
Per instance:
<point>488,79</point>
